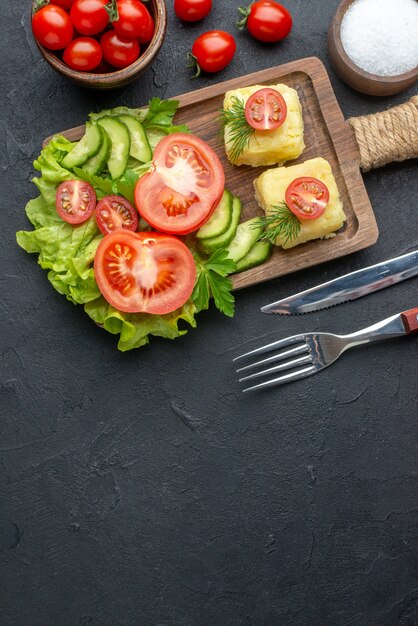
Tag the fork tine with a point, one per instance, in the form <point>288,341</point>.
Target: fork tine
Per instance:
<point>272,346</point>
<point>276,357</point>
<point>279,368</point>
<point>281,380</point>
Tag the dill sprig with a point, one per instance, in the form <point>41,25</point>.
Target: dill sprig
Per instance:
<point>280,222</point>
<point>239,129</point>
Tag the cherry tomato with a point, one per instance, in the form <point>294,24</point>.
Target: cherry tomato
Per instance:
<point>114,213</point>
<point>265,109</point>
<point>52,27</point>
<point>64,4</point>
<point>134,20</point>
<point>83,54</point>
<point>144,272</point>
<point>267,21</point>
<point>75,201</point>
<point>89,17</point>
<point>213,51</point>
<point>183,187</point>
<point>307,197</point>
<point>192,10</point>
<point>119,51</point>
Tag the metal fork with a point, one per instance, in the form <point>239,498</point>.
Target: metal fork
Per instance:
<point>312,352</point>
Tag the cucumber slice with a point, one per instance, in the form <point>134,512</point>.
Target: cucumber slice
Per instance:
<point>260,252</point>
<point>219,221</point>
<point>140,148</point>
<point>245,237</point>
<point>88,146</point>
<point>215,243</point>
<point>121,144</point>
<point>97,162</point>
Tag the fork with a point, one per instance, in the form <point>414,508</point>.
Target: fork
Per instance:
<point>312,352</point>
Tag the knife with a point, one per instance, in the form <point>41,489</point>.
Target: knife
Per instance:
<point>348,287</point>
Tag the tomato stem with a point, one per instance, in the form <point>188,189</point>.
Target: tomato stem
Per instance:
<point>112,9</point>
<point>245,12</point>
<point>193,63</point>
<point>38,4</point>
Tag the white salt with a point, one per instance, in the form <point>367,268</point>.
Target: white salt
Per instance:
<point>381,36</point>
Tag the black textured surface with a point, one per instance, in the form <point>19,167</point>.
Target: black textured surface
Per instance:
<point>143,489</point>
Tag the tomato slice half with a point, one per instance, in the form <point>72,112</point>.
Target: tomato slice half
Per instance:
<point>307,197</point>
<point>183,187</point>
<point>115,213</point>
<point>144,272</point>
<point>265,109</point>
<point>75,201</point>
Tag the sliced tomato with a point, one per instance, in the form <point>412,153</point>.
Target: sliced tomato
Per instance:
<point>183,187</point>
<point>307,197</point>
<point>144,272</point>
<point>265,109</point>
<point>115,213</point>
<point>75,201</point>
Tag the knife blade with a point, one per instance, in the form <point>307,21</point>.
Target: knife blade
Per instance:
<point>349,287</point>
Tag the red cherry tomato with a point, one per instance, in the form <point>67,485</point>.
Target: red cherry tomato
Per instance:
<point>75,201</point>
<point>89,17</point>
<point>307,197</point>
<point>267,21</point>
<point>64,4</point>
<point>134,20</point>
<point>213,51</point>
<point>265,109</point>
<point>183,187</point>
<point>144,272</point>
<point>83,54</point>
<point>114,213</point>
<point>192,10</point>
<point>52,27</point>
<point>119,51</point>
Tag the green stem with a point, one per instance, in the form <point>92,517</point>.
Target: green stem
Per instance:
<point>245,12</point>
<point>194,64</point>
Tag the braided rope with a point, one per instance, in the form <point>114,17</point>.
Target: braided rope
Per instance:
<point>388,136</point>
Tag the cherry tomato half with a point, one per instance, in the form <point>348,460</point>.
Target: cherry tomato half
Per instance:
<point>213,51</point>
<point>134,20</point>
<point>307,197</point>
<point>192,10</point>
<point>83,54</point>
<point>265,109</point>
<point>114,213</point>
<point>64,4</point>
<point>267,21</point>
<point>89,17</point>
<point>144,272</point>
<point>119,51</point>
<point>183,187</point>
<point>75,201</point>
<point>52,27</point>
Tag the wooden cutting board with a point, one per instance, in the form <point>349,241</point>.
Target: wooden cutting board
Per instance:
<point>327,135</point>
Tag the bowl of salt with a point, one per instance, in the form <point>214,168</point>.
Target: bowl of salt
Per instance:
<point>373,45</point>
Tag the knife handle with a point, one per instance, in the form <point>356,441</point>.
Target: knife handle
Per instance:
<point>410,320</point>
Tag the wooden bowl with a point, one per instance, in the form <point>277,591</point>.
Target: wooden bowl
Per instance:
<point>353,75</point>
<point>118,78</point>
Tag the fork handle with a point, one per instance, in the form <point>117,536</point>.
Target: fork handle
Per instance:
<point>410,320</point>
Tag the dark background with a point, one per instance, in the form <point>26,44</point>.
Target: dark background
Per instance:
<point>143,489</point>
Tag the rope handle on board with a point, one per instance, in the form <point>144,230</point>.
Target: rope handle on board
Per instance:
<point>388,136</point>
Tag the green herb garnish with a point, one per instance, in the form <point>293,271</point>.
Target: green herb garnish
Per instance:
<point>240,131</point>
<point>280,222</point>
<point>212,281</point>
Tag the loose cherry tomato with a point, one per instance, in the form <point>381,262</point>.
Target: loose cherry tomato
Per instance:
<point>134,20</point>
<point>83,54</point>
<point>265,109</point>
<point>119,51</point>
<point>144,272</point>
<point>213,51</point>
<point>114,213</point>
<point>75,201</point>
<point>89,17</point>
<point>183,187</point>
<point>192,10</point>
<point>52,27</point>
<point>307,197</point>
<point>64,4</point>
<point>266,21</point>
